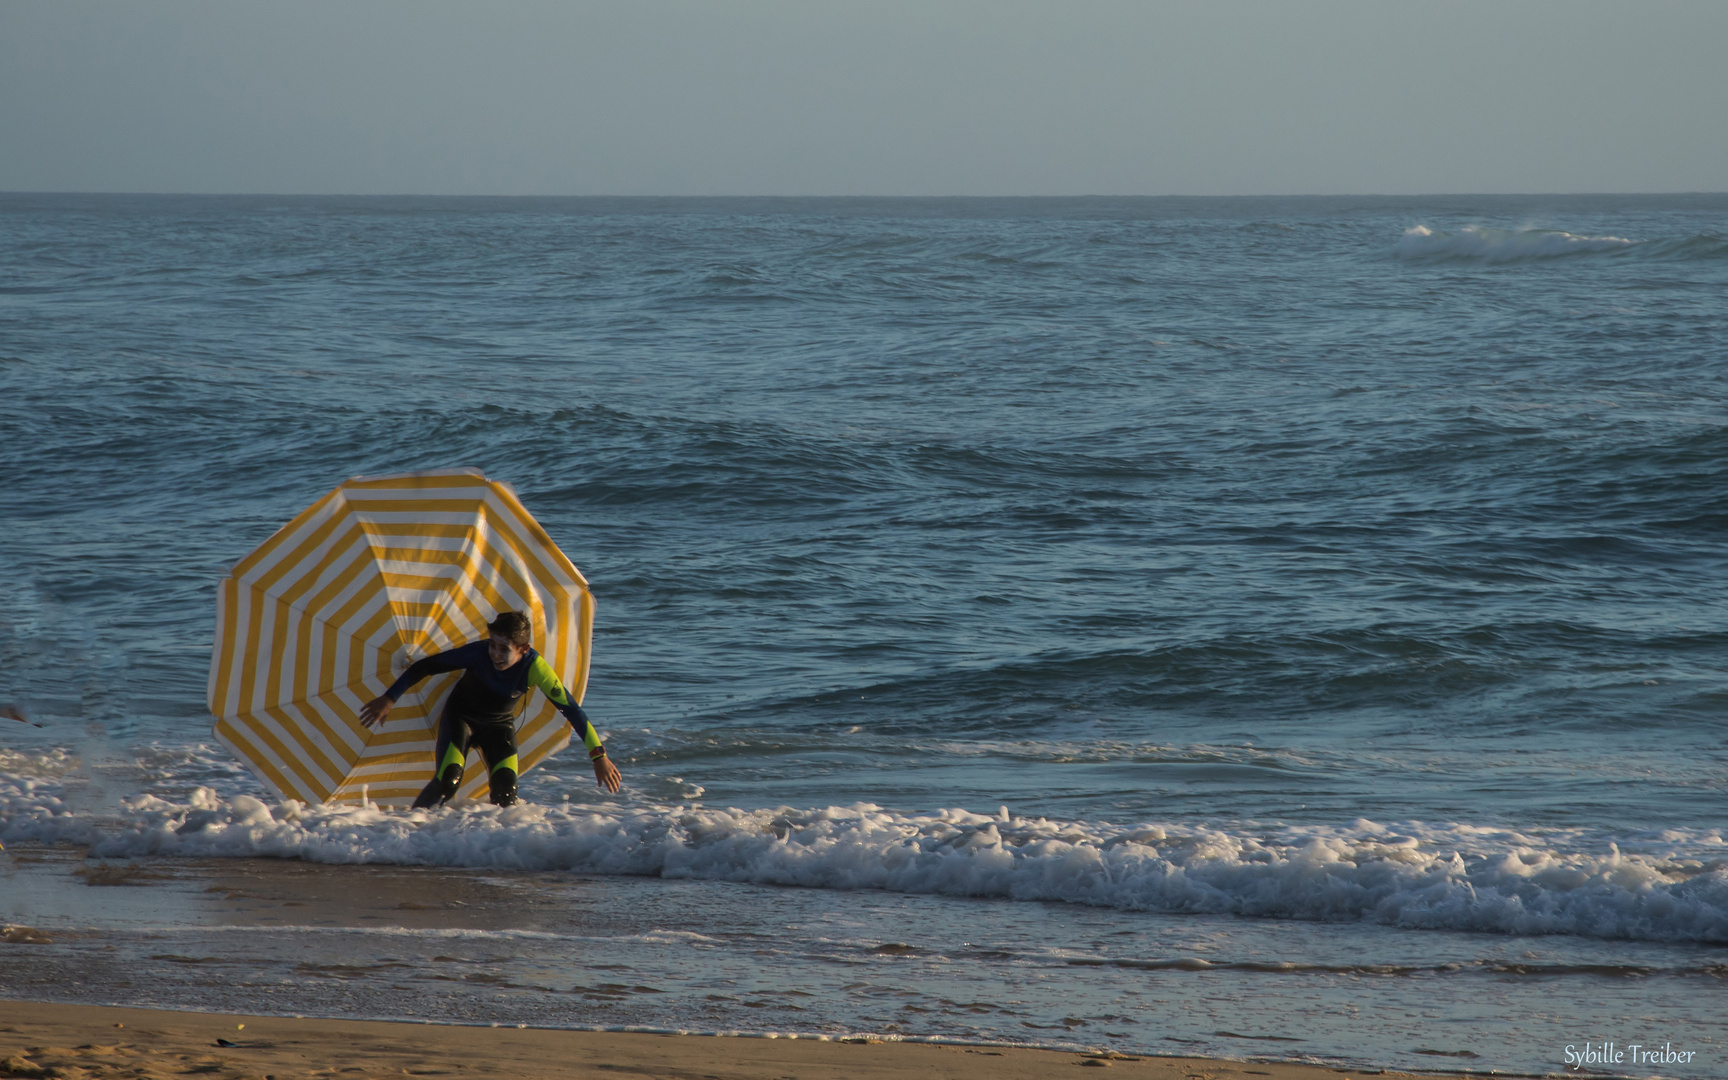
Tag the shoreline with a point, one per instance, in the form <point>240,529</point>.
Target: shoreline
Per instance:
<point>286,938</point>
<point>98,1041</point>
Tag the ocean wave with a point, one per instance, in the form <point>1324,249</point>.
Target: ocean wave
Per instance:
<point>1450,876</point>
<point>1501,968</point>
<point>1477,243</point>
<point>1483,245</point>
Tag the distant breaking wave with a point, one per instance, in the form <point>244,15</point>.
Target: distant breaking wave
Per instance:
<point>1480,244</point>
<point>1447,876</point>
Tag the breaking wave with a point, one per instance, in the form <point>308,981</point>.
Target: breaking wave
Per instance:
<point>1450,876</point>
<point>1480,244</point>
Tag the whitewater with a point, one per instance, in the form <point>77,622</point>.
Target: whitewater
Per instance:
<point>1415,875</point>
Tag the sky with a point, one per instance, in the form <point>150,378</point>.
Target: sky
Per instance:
<point>863,97</point>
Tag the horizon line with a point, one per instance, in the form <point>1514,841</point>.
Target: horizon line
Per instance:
<point>6,193</point>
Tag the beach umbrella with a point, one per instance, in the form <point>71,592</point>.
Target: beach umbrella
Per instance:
<point>324,615</point>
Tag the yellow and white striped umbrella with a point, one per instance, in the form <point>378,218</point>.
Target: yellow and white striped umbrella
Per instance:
<point>378,573</point>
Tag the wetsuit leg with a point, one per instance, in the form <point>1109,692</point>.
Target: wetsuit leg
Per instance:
<point>449,754</point>
<point>497,744</point>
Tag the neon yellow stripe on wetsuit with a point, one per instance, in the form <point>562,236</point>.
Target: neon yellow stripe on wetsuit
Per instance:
<point>542,677</point>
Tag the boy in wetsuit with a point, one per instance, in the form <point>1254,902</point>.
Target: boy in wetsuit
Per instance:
<point>482,709</point>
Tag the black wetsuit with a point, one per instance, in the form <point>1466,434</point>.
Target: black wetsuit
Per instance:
<point>482,712</point>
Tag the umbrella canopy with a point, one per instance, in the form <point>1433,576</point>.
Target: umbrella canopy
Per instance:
<point>378,573</point>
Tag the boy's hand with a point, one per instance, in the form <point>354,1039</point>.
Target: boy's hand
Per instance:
<point>607,774</point>
<point>374,711</point>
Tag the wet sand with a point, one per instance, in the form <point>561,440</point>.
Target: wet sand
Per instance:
<point>82,1041</point>
<point>464,947</point>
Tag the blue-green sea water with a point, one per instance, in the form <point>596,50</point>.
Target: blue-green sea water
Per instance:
<point>1259,627</point>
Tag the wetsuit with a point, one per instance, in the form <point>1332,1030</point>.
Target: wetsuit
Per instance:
<point>482,711</point>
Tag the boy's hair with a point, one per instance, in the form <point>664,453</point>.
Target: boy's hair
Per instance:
<point>512,626</point>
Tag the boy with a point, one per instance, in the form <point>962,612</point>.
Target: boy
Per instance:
<point>482,709</point>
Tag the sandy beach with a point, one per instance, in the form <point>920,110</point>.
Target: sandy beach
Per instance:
<point>77,1041</point>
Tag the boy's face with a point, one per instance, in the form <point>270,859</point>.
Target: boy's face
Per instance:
<point>504,654</point>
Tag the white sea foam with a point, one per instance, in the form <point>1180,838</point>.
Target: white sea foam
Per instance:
<point>1445,876</point>
<point>1477,243</point>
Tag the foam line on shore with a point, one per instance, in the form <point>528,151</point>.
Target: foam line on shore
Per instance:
<point>1420,875</point>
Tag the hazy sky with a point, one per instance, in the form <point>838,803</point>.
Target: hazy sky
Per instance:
<point>872,97</point>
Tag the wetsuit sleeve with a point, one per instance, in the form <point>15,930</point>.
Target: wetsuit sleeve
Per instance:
<point>541,675</point>
<point>436,664</point>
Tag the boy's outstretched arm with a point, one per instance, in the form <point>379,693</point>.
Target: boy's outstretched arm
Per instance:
<point>374,711</point>
<point>542,676</point>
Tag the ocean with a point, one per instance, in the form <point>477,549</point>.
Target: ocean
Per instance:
<point>1282,628</point>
